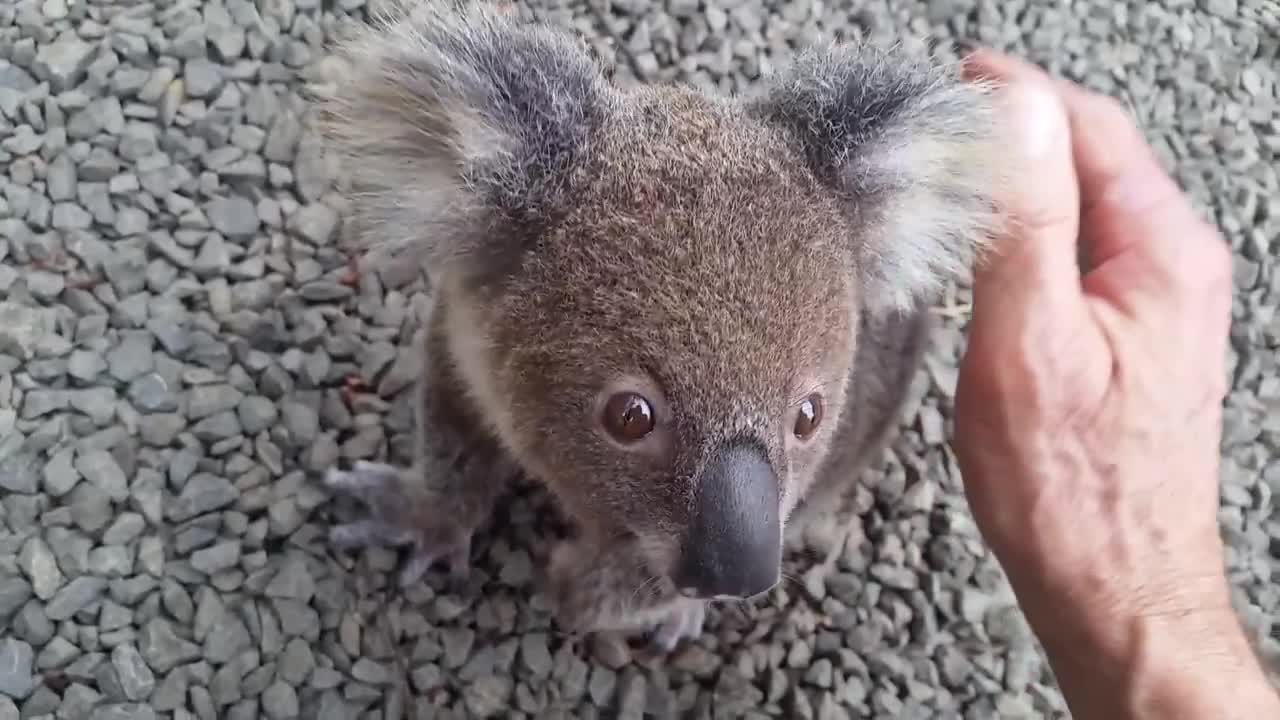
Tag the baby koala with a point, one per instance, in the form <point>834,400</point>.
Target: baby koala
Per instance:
<point>684,314</point>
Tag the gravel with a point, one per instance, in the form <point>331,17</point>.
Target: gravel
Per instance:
<point>177,329</point>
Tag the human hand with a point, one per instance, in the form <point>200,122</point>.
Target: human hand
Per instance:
<point>1088,410</point>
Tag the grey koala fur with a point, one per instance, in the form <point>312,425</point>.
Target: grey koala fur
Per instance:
<point>727,259</point>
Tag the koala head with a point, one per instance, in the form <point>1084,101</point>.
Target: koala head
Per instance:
<point>653,295</point>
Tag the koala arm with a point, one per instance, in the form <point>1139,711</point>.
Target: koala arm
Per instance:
<point>605,587</point>
<point>459,473</point>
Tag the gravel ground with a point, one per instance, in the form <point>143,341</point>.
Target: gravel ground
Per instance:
<point>177,329</point>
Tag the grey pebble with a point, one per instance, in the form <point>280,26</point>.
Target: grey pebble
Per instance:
<point>227,640</point>
<point>203,493</point>
<point>136,678</point>
<point>202,78</point>
<point>151,393</point>
<point>24,329</point>
<point>85,365</point>
<point>123,711</point>
<point>216,558</point>
<point>163,648</point>
<point>315,223</point>
<point>41,567</point>
<point>280,701</point>
<point>131,358</point>
<point>15,591</point>
<point>296,662</point>
<point>292,581</point>
<point>56,654</point>
<point>17,679</point>
<point>256,414</point>
<point>234,216</point>
<point>126,527</point>
<point>101,469</point>
<point>19,472</point>
<point>79,701</point>
<point>73,597</point>
<point>487,696</point>
<point>204,401</point>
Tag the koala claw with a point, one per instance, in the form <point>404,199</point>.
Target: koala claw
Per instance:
<point>684,620</point>
<point>397,518</point>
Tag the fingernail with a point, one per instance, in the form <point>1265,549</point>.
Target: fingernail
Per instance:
<point>1039,118</point>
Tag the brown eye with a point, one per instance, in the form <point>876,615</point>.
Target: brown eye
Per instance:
<point>809,417</point>
<point>628,417</point>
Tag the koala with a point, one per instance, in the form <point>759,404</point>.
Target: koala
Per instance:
<point>689,316</point>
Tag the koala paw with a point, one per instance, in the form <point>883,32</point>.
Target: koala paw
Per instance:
<point>602,589</point>
<point>685,619</point>
<point>399,517</point>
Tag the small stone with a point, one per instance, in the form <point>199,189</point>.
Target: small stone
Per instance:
<point>85,365</point>
<point>202,78</point>
<point>487,696</point>
<point>202,494</point>
<point>227,640</point>
<point>126,527</point>
<point>296,662</point>
<point>63,62</point>
<point>163,648</point>
<point>14,593</point>
<point>368,671</point>
<point>131,359</point>
<point>101,469</point>
<point>75,596</point>
<point>135,677</point>
<point>70,216</point>
<point>16,677</point>
<point>23,329</point>
<point>324,291</point>
<point>234,216</point>
<point>293,581</point>
<point>150,393</point>
<point>123,711</point>
<point>535,654</point>
<point>215,559</point>
<point>41,567</point>
<point>256,414</point>
<point>315,223</point>
<point>280,701</point>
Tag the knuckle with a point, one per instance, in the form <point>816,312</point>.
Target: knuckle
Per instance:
<point>1208,266</point>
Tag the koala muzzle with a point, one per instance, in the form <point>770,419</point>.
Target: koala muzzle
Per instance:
<point>734,545</point>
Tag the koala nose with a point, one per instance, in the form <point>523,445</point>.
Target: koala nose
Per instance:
<point>734,545</point>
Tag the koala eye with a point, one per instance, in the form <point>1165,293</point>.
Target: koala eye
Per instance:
<point>809,417</point>
<point>628,417</point>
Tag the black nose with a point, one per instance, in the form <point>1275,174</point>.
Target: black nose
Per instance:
<point>734,545</point>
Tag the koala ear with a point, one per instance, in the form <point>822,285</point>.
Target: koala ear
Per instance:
<point>911,151</point>
<point>452,123</point>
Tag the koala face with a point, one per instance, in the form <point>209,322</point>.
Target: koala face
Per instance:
<point>677,343</point>
<point>653,295</point>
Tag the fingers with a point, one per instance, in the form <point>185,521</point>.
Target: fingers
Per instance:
<point>1036,263</point>
<point>1148,251</point>
<point>1126,196</point>
<point>1091,175</point>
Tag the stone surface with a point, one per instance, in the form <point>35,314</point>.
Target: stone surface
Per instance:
<point>185,347</point>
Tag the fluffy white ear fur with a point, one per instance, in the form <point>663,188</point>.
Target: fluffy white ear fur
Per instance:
<point>447,119</point>
<point>915,153</point>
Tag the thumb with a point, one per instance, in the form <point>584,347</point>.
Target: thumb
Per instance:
<point>1034,263</point>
